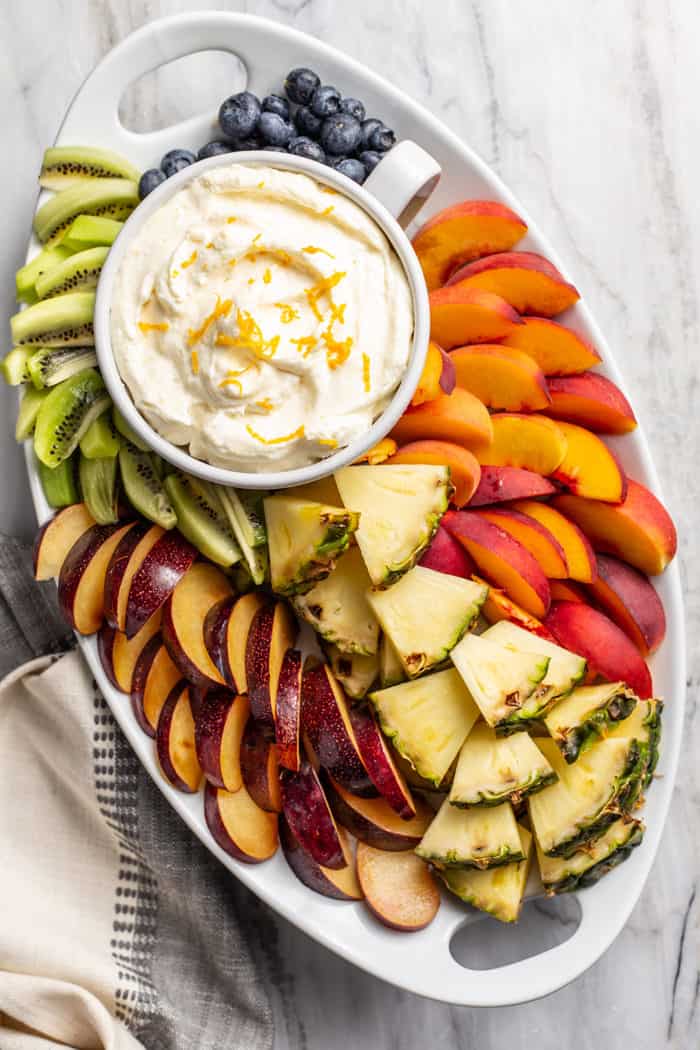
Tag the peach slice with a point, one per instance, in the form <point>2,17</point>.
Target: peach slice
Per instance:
<point>467,315</point>
<point>437,377</point>
<point>464,468</point>
<point>558,350</point>
<point>175,745</point>
<point>540,542</point>
<point>154,676</point>
<point>56,537</point>
<point>589,468</point>
<point>458,416</point>
<point>498,606</point>
<point>639,530</point>
<point>607,650</point>
<point>532,442</point>
<point>238,826</point>
<point>446,555</point>
<point>567,591</point>
<point>501,559</point>
<point>630,600</point>
<point>529,282</point>
<point>501,377</point>
<point>592,401</point>
<point>500,484</point>
<point>462,232</point>
<point>184,614</point>
<point>577,550</point>
<point>399,888</point>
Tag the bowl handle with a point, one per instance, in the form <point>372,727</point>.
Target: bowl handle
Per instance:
<point>403,180</point>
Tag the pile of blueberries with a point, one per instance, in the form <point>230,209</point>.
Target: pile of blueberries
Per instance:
<point>322,126</point>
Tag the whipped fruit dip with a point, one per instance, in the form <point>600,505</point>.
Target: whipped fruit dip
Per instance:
<point>261,319</point>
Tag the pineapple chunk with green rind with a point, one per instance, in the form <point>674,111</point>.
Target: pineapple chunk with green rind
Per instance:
<point>483,837</point>
<point>561,875</point>
<point>356,672</point>
<point>565,669</point>
<point>400,509</point>
<point>425,614</point>
<point>589,796</point>
<point>391,670</point>
<point>644,726</point>
<point>497,891</point>
<point>585,715</point>
<point>500,679</point>
<point>337,607</point>
<point>305,539</point>
<point>492,769</point>
<point>427,720</point>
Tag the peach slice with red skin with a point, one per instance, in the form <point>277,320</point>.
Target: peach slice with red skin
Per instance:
<point>461,315</point>
<point>184,614</point>
<point>220,721</point>
<point>501,377</point>
<point>630,600</point>
<point>498,606</point>
<point>56,537</point>
<point>529,282</point>
<point>155,675</point>
<point>458,417</point>
<point>238,826</point>
<point>639,530</point>
<point>175,745</point>
<point>567,591</point>
<point>340,885</point>
<point>540,542</point>
<point>438,376</point>
<point>532,442</point>
<point>462,232</point>
<point>501,559</point>
<point>464,467</point>
<point>607,650</point>
<point>81,580</point>
<point>446,554</point>
<point>589,468</point>
<point>557,349</point>
<point>399,888</point>
<point>591,401</point>
<point>501,484</point>
<point>577,550</point>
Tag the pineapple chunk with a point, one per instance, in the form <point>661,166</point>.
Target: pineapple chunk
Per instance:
<point>565,669</point>
<point>501,680</point>
<point>337,607</point>
<point>472,838</point>
<point>492,769</point>
<point>561,875</point>
<point>427,720</point>
<point>588,797</point>
<point>305,539</point>
<point>644,726</point>
<point>497,891</point>
<point>356,672</point>
<point>391,670</point>
<point>425,614</point>
<point>585,715</point>
<point>400,509</point>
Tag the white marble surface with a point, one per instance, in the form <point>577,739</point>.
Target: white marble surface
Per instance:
<point>589,111</point>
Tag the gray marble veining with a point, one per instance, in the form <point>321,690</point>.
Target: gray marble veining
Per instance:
<point>589,112</point>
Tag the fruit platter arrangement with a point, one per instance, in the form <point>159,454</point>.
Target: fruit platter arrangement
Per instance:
<point>423,678</point>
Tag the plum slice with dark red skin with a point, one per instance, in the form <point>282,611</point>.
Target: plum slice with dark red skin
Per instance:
<point>166,737</point>
<point>56,537</point>
<point>116,570</point>
<point>216,637</point>
<point>238,826</point>
<point>272,632</point>
<point>105,649</point>
<point>288,710</point>
<point>341,884</point>
<point>501,484</point>
<point>220,718</point>
<point>81,580</point>
<point>139,682</point>
<point>259,768</point>
<point>383,772</point>
<point>309,816</point>
<point>372,820</point>
<point>156,578</point>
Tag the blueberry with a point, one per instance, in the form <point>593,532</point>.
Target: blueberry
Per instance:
<point>253,142</point>
<point>300,85</point>
<point>274,131</point>
<point>276,104</point>
<point>239,115</point>
<point>325,101</point>
<point>370,159</point>
<point>214,149</point>
<point>307,122</point>
<point>341,134</point>
<point>354,107</point>
<point>381,139</point>
<point>368,126</point>
<point>175,160</point>
<point>149,180</point>
<point>354,169</point>
<point>305,147</point>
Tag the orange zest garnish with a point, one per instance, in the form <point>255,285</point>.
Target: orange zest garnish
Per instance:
<point>256,238</point>
<point>265,405</point>
<point>230,381</point>
<point>188,262</point>
<point>338,312</point>
<point>365,373</point>
<point>251,280</point>
<point>331,442</point>
<point>325,285</point>
<point>329,189</point>
<point>146,327</point>
<point>175,273</point>
<point>250,336</point>
<point>231,218</point>
<point>328,210</point>
<point>194,361</point>
<point>378,453</point>
<point>210,245</point>
<point>311,250</point>
<point>305,344</point>
<point>222,309</point>
<point>260,185</point>
<point>267,276</point>
<point>337,352</point>
<point>288,314</point>
<point>298,433</point>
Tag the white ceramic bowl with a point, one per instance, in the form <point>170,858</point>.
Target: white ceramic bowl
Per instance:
<point>405,176</point>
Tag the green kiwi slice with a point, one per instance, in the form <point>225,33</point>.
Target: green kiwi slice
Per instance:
<point>90,231</point>
<point>15,366</point>
<point>101,440</point>
<point>59,484</point>
<point>77,273</point>
<point>143,487</point>
<point>67,165</point>
<point>98,482</point>
<point>63,321</point>
<point>66,413</point>
<point>29,406</point>
<point>200,521</point>
<point>50,365</point>
<point>27,276</point>
<point>127,431</point>
<point>113,198</point>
